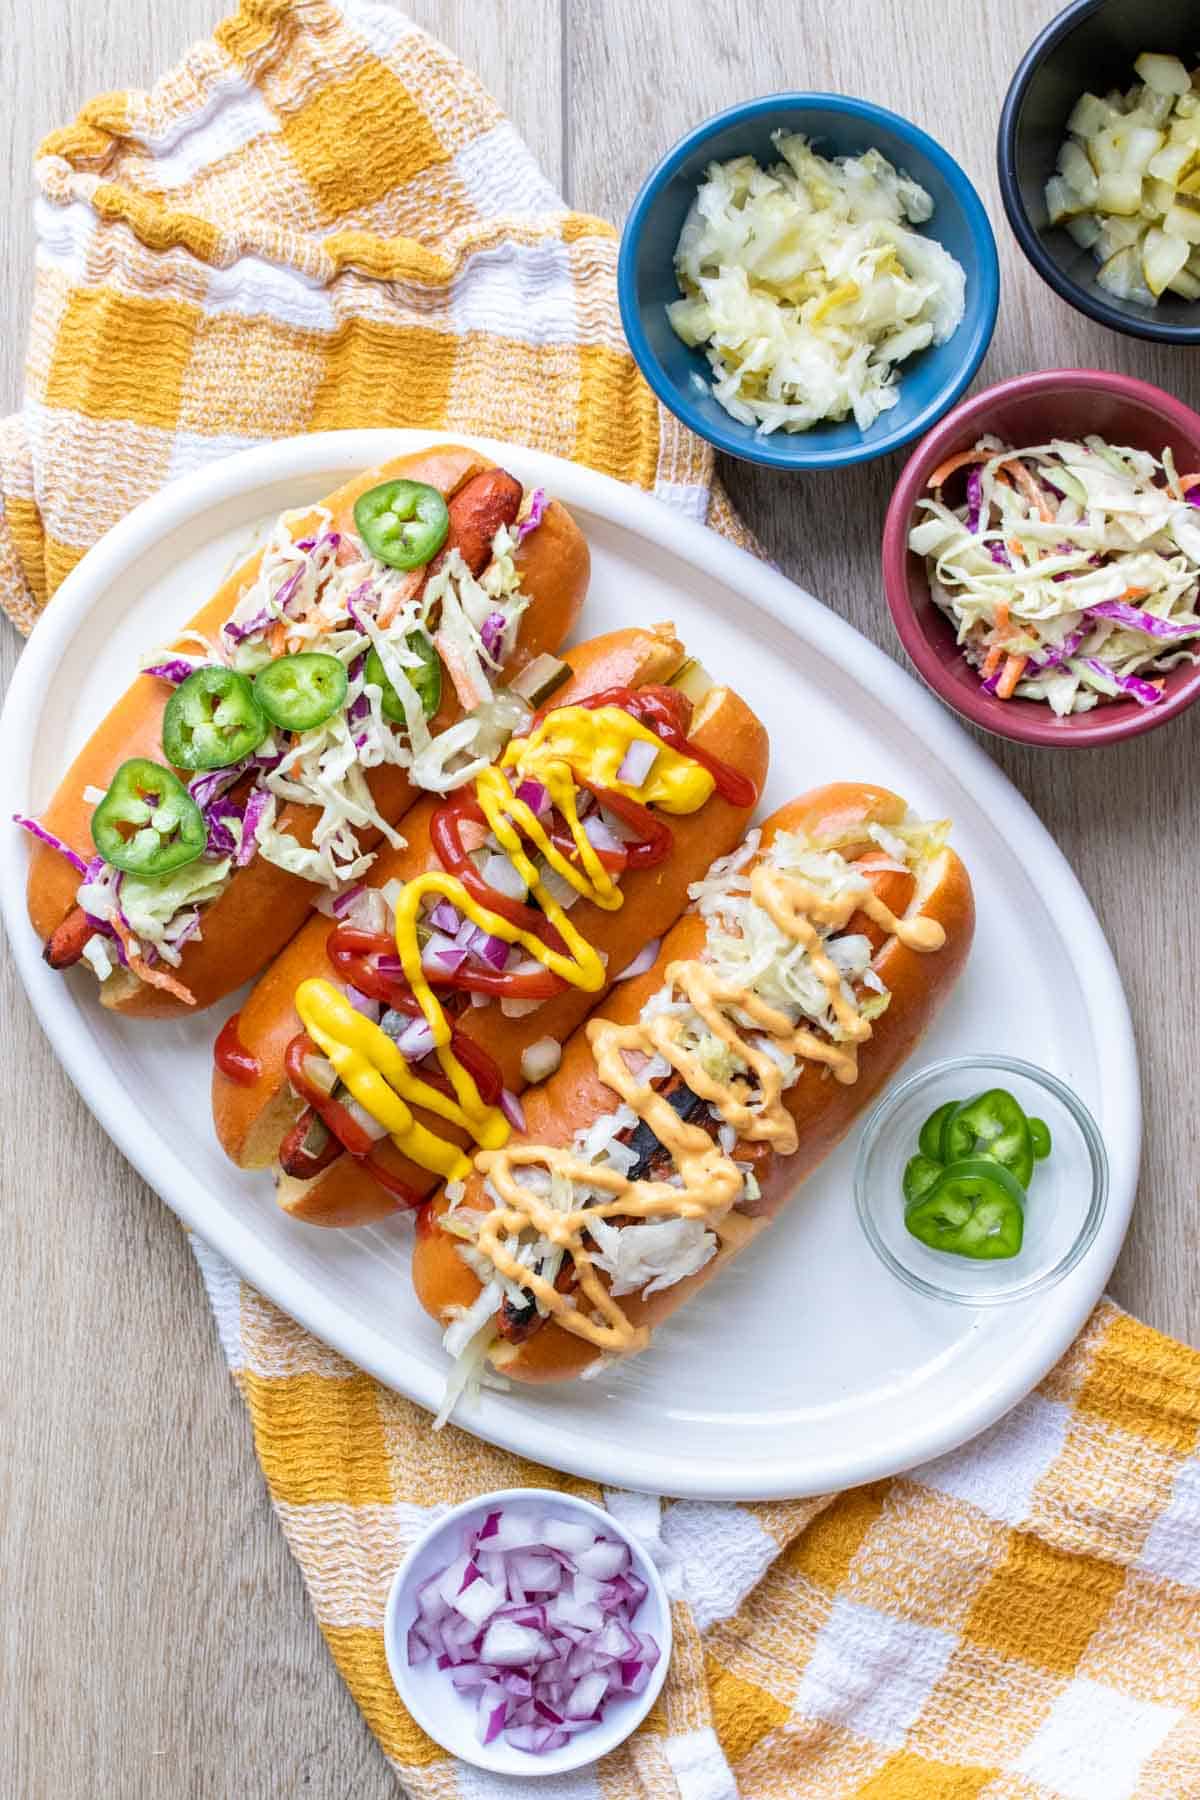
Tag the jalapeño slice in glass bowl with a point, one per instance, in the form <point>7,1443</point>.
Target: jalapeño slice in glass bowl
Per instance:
<point>147,823</point>
<point>1065,1199</point>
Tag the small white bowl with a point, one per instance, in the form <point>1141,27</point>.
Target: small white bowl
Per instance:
<point>447,1715</point>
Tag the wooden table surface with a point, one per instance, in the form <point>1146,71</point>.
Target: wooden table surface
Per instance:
<point>157,1642</point>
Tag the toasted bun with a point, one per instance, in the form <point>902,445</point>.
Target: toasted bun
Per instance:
<point>824,1110</point>
<point>251,1121</point>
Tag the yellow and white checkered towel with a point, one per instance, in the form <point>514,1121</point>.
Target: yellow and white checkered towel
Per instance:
<point>320,219</point>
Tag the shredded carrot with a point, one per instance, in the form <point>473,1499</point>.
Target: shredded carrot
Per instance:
<point>277,642</point>
<point>1016,548</point>
<point>405,590</point>
<point>1188,481</point>
<point>1031,490</point>
<point>992,661</point>
<point>944,470</point>
<point>464,686</point>
<point>1135,593</point>
<point>152,977</point>
<point>1010,677</point>
<point>1003,620</point>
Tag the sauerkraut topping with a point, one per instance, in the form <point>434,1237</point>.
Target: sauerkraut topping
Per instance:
<point>806,286</point>
<point>780,984</point>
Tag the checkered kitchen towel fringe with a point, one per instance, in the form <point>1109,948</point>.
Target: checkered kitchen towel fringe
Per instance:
<point>320,219</point>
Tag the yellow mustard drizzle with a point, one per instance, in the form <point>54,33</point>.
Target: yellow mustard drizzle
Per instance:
<point>571,740</point>
<point>371,1067</point>
<point>711,1181</point>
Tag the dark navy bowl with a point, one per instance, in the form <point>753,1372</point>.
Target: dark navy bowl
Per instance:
<point>1091,47</point>
<point>929,382</point>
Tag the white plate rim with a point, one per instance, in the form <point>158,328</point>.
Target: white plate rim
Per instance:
<point>797,611</point>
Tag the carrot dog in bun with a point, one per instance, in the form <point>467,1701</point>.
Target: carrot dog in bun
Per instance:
<point>386,1041</point>
<point>698,1097</point>
<point>357,660</point>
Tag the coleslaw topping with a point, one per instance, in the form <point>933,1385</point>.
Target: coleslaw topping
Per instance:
<point>327,592</point>
<point>768,995</point>
<point>1070,571</point>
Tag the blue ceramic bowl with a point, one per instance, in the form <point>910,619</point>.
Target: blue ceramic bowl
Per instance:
<point>929,382</point>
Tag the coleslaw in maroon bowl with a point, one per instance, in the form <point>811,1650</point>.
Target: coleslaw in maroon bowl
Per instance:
<point>1041,557</point>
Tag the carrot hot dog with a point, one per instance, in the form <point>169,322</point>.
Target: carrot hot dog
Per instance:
<point>527,903</point>
<point>695,1100</point>
<point>230,809</point>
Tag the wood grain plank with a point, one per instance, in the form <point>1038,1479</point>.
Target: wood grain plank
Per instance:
<point>158,1642</point>
<point>1128,817</point>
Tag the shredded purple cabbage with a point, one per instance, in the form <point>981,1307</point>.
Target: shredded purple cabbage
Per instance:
<point>251,628</point>
<point>56,843</point>
<point>256,805</point>
<point>219,818</point>
<point>286,592</point>
<point>999,554</point>
<point>1055,657</point>
<point>535,515</point>
<point>1137,620</point>
<point>1144,692</point>
<point>209,787</point>
<point>174,671</point>
<point>491,634</point>
<point>974,499</point>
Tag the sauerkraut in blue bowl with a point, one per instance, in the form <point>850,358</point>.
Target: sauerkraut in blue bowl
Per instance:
<point>808,281</point>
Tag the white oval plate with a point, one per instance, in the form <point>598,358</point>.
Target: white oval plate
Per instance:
<point>807,1366</point>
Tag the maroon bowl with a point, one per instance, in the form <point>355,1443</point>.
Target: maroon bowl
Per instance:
<point>1065,403</point>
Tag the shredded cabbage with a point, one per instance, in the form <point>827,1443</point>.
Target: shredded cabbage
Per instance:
<point>806,286</point>
<point>1073,567</point>
<point>748,950</point>
<point>330,594</point>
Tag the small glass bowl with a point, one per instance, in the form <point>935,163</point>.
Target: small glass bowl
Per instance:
<point>1067,1195</point>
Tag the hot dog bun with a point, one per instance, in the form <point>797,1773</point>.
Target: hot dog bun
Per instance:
<point>823,1110</point>
<point>264,905</point>
<point>252,1120</point>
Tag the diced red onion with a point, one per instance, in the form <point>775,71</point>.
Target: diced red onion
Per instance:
<point>440,952</point>
<point>535,515</point>
<point>512,1109</point>
<point>389,965</point>
<point>642,961</point>
<point>502,874</point>
<point>362,1003</point>
<point>1137,620</point>
<point>445,917</point>
<point>56,843</point>
<point>533,795</point>
<point>536,1673</point>
<point>637,762</point>
<point>345,900</point>
<point>415,1041</point>
<point>599,835</point>
<point>538,1063</point>
<point>490,950</point>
